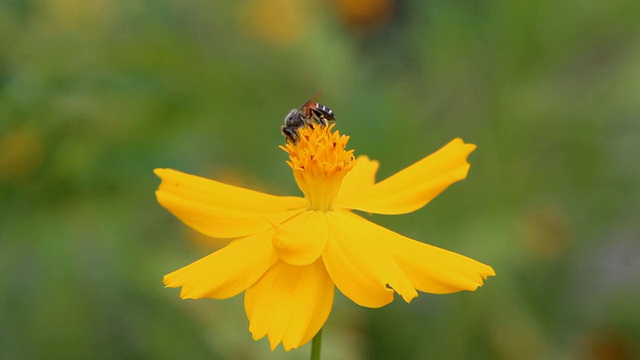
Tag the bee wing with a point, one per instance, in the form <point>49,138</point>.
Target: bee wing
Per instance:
<point>306,107</point>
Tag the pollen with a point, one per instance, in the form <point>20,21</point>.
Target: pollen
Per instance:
<point>320,161</point>
<point>319,150</point>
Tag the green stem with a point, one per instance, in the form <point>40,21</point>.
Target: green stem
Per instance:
<point>316,344</point>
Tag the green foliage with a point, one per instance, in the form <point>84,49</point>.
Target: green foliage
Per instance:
<point>95,94</point>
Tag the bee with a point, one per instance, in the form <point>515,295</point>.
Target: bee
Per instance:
<point>309,113</point>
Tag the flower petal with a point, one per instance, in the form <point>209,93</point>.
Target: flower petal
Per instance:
<point>430,268</point>
<point>413,187</point>
<point>360,178</point>
<point>220,210</point>
<point>228,271</point>
<point>301,239</point>
<point>360,265</point>
<point>289,304</point>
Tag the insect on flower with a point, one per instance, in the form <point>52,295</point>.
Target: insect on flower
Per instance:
<point>289,254</point>
<point>309,113</point>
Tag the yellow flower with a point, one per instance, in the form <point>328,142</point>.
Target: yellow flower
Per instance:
<point>289,252</point>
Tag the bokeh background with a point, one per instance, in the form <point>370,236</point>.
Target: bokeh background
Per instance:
<point>94,94</point>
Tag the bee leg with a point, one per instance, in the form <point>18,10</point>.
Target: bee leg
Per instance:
<point>291,134</point>
<point>317,118</point>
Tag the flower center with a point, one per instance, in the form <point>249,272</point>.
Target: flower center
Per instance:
<point>319,162</point>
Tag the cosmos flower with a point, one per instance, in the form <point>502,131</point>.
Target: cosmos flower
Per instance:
<point>289,253</point>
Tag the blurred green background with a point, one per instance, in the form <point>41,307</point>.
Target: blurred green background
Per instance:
<point>94,94</point>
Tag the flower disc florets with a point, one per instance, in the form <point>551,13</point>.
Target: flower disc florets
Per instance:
<point>320,161</point>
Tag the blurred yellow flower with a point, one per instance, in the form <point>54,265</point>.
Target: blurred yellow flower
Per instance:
<point>277,22</point>
<point>289,252</point>
<point>21,153</point>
